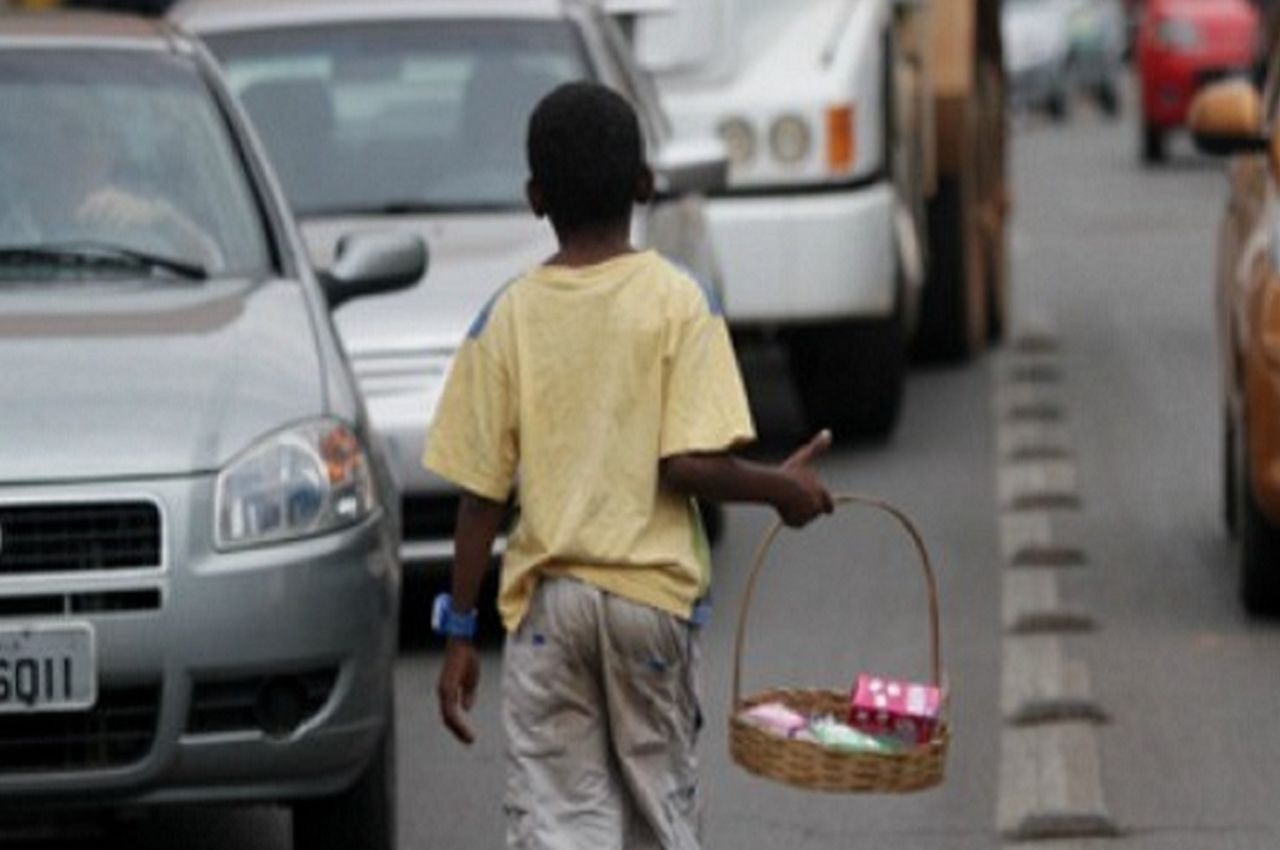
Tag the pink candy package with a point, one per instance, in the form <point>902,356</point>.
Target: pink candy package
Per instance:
<point>907,711</point>
<point>777,718</point>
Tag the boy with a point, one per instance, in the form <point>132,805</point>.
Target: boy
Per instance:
<point>606,378</point>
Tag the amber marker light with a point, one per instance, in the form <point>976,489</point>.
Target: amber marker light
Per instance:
<point>842,138</point>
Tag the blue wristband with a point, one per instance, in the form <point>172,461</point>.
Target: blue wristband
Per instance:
<point>449,623</point>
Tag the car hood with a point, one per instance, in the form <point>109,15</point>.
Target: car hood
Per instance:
<point>106,381</point>
<point>471,257</point>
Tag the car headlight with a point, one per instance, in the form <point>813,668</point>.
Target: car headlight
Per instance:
<point>1178,33</point>
<point>739,137</point>
<point>303,481</point>
<point>790,139</point>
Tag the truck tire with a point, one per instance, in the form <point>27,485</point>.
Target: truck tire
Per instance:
<point>363,817</point>
<point>1257,543</point>
<point>1153,146</point>
<point>1229,500</point>
<point>954,305</point>
<point>851,376</point>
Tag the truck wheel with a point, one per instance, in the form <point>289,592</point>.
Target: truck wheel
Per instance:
<point>1229,476</point>
<point>1153,147</point>
<point>851,375</point>
<point>1257,544</point>
<point>361,818</point>
<point>954,304</point>
<point>1058,105</point>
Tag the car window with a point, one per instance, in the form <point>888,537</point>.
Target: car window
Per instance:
<point>399,115</point>
<point>123,150</point>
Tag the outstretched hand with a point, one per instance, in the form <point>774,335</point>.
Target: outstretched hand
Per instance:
<point>809,497</point>
<point>457,688</point>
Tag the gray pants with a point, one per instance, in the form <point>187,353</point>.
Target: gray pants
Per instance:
<point>601,713</point>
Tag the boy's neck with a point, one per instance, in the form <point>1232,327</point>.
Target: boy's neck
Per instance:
<point>589,247</point>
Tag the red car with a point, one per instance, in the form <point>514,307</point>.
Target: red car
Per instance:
<point>1183,45</point>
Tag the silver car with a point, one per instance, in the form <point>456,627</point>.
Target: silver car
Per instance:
<point>411,114</point>
<point>199,583</point>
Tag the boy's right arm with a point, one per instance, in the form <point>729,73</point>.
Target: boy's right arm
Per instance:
<point>792,488</point>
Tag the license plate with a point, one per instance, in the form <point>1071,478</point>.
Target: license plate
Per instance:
<point>45,668</point>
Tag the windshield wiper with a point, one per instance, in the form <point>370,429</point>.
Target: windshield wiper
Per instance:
<point>98,255</point>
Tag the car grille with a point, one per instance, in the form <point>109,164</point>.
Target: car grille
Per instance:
<point>63,604</point>
<point>234,705</point>
<point>119,730</point>
<point>61,538</point>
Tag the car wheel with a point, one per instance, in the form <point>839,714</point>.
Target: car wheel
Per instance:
<point>1257,543</point>
<point>851,375</point>
<point>1229,496</point>
<point>1108,97</point>
<point>363,817</point>
<point>1153,144</point>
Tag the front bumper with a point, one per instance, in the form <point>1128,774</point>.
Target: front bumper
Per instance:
<point>793,257</point>
<point>224,623</point>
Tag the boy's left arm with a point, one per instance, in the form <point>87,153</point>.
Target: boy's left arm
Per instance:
<point>479,521</point>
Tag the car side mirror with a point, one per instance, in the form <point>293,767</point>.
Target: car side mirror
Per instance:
<point>694,166</point>
<point>373,263</point>
<point>1226,118</point>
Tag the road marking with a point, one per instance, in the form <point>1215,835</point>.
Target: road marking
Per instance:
<point>1050,777</point>
<point>1051,784</point>
<point>1027,539</point>
<point>1017,441</point>
<point>1032,605</point>
<point>1039,685</point>
<point>1037,484</point>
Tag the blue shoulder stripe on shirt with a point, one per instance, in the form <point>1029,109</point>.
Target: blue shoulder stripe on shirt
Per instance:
<point>714,304</point>
<point>481,320</point>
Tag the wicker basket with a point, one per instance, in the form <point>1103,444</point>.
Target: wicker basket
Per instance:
<point>810,765</point>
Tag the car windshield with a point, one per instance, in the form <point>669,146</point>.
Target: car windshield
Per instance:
<point>399,116</point>
<point>120,161</point>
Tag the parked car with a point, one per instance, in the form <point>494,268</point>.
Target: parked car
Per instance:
<point>1037,53</point>
<point>1232,118</point>
<point>411,114</point>
<point>1182,46</point>
<point>199,584</point>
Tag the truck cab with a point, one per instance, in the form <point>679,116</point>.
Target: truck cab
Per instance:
<point>818,231</point>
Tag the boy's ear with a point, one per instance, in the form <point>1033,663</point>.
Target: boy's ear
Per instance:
<point>533,194</point>
<point>645,186</point>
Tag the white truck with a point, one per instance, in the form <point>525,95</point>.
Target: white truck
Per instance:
<point>866,197</point>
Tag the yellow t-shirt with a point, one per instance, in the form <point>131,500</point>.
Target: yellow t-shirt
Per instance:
<point>575,382</point>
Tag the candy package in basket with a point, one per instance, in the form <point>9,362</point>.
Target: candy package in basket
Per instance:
<point>907,711</point>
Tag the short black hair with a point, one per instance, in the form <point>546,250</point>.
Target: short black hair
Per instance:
<point>586,154</point>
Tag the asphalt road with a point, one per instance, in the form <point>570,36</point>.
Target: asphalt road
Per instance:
<point>1118,259</point>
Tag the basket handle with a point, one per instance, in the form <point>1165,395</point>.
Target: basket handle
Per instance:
<point>762,553</point>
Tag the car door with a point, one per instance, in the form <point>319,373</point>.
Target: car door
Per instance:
<point>1247,239</point>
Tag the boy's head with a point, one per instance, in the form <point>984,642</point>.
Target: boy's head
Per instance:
<point>586,159</point>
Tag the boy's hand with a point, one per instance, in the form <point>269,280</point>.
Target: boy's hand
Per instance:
<point>809,498</point>
<point>457,688</point>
